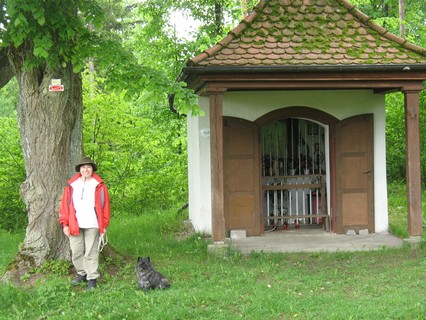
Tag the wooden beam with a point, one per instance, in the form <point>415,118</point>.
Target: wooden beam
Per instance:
<point>388,82</point>
<point>319,84</point>
<point>317,76</point>
<point>217,173</point>
<point>412,137</point>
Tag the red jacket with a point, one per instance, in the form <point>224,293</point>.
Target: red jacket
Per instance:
<point>67,215</point>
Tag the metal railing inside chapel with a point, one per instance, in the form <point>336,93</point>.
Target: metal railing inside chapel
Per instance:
<point>293,174</point>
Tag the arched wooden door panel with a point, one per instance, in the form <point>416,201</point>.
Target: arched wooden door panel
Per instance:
<point>242,176</point>
<point>354,174</point>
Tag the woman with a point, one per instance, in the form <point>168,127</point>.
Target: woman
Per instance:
<point>84,215</point>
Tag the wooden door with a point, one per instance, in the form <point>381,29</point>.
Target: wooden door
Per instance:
<point>354,174</point>
<point>242,176</point>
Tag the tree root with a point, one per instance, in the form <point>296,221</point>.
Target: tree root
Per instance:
<point>18,269</point>
<point>22,270</point>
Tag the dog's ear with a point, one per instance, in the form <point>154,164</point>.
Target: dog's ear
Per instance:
<point>139,259</point>
<point>149,259</point>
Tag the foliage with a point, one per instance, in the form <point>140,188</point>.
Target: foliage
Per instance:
<point>386,14</point>
<point>154,41</point>
<point>52,30</point>
<point>12,174</point>
<point>57,35</point>
<point>56,267</point>
<point>141,56</point>
<point>9,99</point>
<point>395,136</point>
<point>216,17</point>
<point>141,150</point>
<point>340,285</point>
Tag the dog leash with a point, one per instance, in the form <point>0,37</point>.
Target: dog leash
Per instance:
<point>103,241</point>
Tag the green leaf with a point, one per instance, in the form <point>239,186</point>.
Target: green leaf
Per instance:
<point>39,16</point>
<point>20,20</point>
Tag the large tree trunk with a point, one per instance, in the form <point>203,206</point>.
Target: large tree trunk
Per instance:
<point>51,138</point>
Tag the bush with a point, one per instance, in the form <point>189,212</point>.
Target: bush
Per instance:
<point>12,174</point>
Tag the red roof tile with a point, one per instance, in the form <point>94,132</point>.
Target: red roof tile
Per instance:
<point>309,32</point>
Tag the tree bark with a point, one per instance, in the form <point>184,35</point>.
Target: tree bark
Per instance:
<point>218,17</point>
<point>51,139</point>
<point>402,18</point>
<point>6,72</point>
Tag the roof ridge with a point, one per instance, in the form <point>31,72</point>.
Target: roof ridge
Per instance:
<point>381,30</point>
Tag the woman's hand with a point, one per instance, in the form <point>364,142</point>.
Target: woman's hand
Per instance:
<point>67,231</point>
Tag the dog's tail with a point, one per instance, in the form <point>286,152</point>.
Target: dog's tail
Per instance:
<point>164,284</point>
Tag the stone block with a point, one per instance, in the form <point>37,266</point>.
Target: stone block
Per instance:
<point>238,234</point>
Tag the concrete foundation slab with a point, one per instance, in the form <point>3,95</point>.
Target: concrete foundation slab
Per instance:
<point>314,240</point>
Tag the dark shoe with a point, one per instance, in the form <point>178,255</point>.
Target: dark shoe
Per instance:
<point>78,279</point>
<point>91,284</point>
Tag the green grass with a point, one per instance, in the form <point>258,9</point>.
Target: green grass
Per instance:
<point>9,245</point>
<point>384,284</point>
<point>397,194</point>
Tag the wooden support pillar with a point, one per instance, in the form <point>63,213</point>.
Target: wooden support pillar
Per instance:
<point>216,159</point>
<point>412,142</point>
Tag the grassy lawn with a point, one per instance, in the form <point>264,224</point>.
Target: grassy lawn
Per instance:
<point>384,284</point>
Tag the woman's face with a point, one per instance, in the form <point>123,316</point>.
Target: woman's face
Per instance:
<point>86,170</point>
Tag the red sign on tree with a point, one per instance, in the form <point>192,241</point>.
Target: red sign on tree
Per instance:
<point>57,87</point>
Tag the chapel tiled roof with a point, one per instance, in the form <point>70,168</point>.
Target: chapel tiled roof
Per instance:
<point>309,33</point>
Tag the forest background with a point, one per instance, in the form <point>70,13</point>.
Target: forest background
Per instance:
<point>138,142</point>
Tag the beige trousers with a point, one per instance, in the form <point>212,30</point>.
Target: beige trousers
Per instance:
<point>85,253</point>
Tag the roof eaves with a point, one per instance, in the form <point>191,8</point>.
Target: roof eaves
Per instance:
<point>303,69</point>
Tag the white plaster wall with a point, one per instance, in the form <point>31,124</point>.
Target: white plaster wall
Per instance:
<point>199,178</point>
<point>252,105</point>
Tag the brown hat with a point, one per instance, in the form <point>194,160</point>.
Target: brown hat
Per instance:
<point>86,160</point>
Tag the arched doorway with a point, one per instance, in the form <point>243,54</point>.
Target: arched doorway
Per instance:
<point>298,167</point>
<point>295,167</point>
